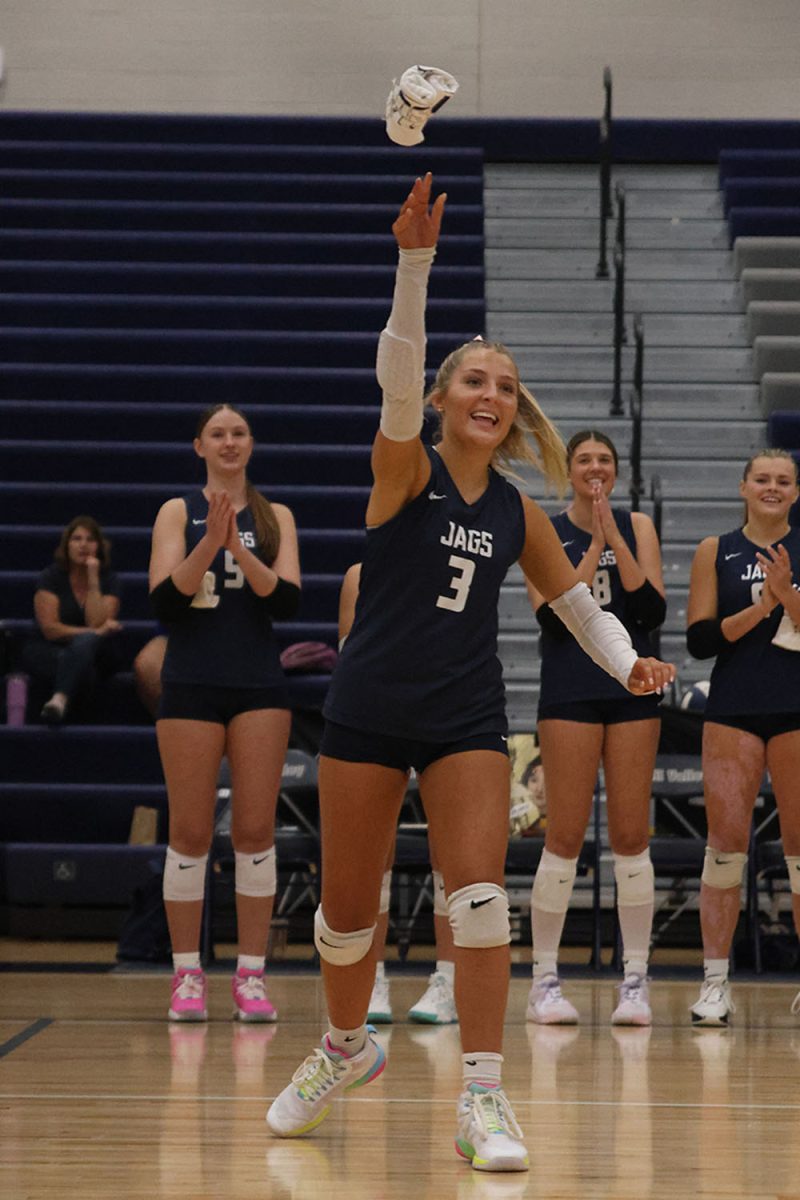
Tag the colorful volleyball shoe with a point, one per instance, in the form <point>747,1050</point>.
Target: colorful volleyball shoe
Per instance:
<point>250,1000</point>
<point>488,1134</point>
<point>189,996</point>
<point>324,1075</point>
<point>420,92</point>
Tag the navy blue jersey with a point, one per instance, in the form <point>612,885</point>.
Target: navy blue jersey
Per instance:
<point>421,659</point>
<point>567,671</point>
<point>233,644</point>
<point>751,675</point>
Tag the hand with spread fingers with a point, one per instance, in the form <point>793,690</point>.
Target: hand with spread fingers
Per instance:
<point>418,222</point>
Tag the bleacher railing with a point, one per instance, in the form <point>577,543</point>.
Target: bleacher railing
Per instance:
<point>616,409</point>
<point>606,158</point>
<point>636,406</point>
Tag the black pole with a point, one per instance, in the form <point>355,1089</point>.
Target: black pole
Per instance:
<point>616,409</point>
<point>606,154</point>
<point>636,403</point>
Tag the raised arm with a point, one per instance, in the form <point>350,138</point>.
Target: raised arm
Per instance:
<point>399,464</point>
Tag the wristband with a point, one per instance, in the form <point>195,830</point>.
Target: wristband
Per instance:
<point>284,601</point>
<point>705,639</point>
<point>646,606</point>
<point>168,603</point>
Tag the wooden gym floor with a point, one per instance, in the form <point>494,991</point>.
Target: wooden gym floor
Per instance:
<point>102,1099</point>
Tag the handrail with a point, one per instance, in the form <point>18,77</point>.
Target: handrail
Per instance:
<point>638,362</point>
<point>658,504</point>
<point>636,402</point>
<point>619,234</point>
<point>619,302</point>
<point>616,409</point>
<point>606,157</point>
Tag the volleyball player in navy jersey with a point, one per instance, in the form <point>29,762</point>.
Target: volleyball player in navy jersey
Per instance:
<point>419,684</point>
<point>585,718</point>
<point>224,565</point>
<point>437,1005</point>
<point>744,607</point>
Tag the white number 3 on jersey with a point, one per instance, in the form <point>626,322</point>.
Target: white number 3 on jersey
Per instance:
<point>460,584</point>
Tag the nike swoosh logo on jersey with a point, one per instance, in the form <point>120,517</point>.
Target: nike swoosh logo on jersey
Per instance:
<point>436,496</point>
<point>196,522</point>
<point>736,555</point>
<point>480,903</point>
<point>569,543</point>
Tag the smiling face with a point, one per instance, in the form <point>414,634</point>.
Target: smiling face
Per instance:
<point>769,488</point>
<point>479,402</point>
<point>225,441</point>
<point>592,465</point>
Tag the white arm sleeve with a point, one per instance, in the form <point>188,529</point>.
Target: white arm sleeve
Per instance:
<point>401,348</point>
<point>599,633</point>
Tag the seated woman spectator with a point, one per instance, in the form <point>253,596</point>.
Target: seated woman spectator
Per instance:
<point>76,605</point>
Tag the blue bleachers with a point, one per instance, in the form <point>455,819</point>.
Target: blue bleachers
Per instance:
<point>152,266</point>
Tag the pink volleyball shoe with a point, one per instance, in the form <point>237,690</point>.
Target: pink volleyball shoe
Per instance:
<point>250,999</point>
<point>188,996</point>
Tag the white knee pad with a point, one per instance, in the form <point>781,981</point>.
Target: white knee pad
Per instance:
<point>479,916</point>
<point>184,876</point>
<point>440,908</point>
<point>386,892</point>
<point>793,867</point>
<point>256,874</point>
<point>552,884</point>
<point>341,949</point>
<point>722,869</point>
<point>635,878</point>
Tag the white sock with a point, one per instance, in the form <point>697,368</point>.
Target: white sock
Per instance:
<point>546,962</point>
<point>380,971</point>
<point>716,968</point>
<point>249,962</point>
<point>634,964</point>
<point>186,962</point>
<point>448,969</point>
<point>636,925</point>
<point>350,1041</point>
<point>482,1067</point>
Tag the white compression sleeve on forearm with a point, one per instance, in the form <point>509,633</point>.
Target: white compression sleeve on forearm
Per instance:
<point>401,348</point>
<point>599,633</point>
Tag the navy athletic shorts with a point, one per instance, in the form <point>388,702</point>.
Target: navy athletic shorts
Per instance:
<point>356,745</point>
<point>761,725</point>
<point>602,712</point>
<point>198,702</point>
